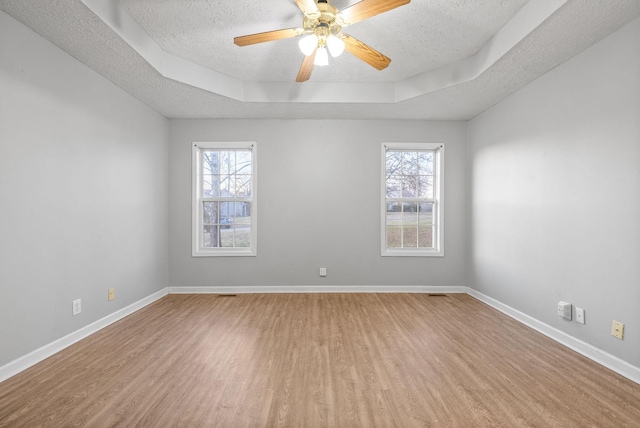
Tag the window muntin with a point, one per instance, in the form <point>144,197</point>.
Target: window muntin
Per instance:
<point>224,199</point>
<point>412,199</point>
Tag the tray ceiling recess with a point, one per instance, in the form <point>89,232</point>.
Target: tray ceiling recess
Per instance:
<point>172,66</point>
<point>450,59</point>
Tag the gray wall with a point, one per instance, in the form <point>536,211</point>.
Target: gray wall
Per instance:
<point>83,194</point>
<point>555,185</point>
<point>319,204</point>
<point>541,197</point>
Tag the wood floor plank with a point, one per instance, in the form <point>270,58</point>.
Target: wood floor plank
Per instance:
<point>318,360</point>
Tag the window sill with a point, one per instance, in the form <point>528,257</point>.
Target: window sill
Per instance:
<point>412,253</point>
<point>223,253</point>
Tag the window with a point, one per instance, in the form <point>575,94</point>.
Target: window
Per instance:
<point>224,199</point>
<point>412,199</point>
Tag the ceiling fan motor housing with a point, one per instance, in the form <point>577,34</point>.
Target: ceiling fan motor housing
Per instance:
<point>322,23</point>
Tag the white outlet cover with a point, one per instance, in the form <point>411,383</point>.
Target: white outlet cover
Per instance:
<point>77,306</point>
<point>564,310</point>
<point>580,315</point>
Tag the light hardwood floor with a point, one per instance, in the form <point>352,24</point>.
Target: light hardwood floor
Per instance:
<point>326,360</point>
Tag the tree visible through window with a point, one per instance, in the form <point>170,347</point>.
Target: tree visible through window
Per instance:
<point>224,211</point>
<point>412,199</point>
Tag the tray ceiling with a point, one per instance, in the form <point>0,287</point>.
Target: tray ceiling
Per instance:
<point>450,59</point>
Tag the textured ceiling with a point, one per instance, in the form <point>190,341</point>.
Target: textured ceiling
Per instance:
<point>420,36</point>
<point>451,59</point>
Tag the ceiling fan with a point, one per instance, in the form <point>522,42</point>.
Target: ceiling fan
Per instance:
<point>321,28</point>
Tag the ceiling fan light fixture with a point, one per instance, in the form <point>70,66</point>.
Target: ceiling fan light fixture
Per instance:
<point>322,58</point>
<point>335,45</point>
<point>308,44</point>
<point>321,32</point>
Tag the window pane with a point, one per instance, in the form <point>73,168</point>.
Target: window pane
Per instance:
<point>394,225</point>
<point>210,236</point>
<point>242,186</point>
<point>425,236</point>
<point>394,236</point>
<point>426,213</point>
<point>227,162</point>
<point>394,212</point>
<point>240,213</point>
<point>225,185</point>
<point>235,225</point>
<point>235,179</point>
<point>394,186</point>
<point>425,163</point>
<point>409,237</point>
<point>425,186</point>
<point>409,186</point>
<point>232,186</point>
<point>410,210</point>
<point>243,237</point>
<point>226,237</point>
<point>425,225</point>
<point>410,225</point>
<point>209,213</point>
<point>226,209</point>
<point>210,186</point>
<point>210,162</point>
<point>243,162</point>
<point>409,163</point>
<point>242,224</point>
<point>243,234</point>
<point>393,162</point>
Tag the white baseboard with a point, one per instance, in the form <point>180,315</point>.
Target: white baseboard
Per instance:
<point>614,363</point>
<point>32,358</point>
<point>598,355</point>
<point>319,289</point>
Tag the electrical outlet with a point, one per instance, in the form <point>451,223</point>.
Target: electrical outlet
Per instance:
<point>580,315</point>
<point>617,330</point>
<point>323,271</point>
<point>112,294</point>
<point>77,307</point>
<point>564,310</point>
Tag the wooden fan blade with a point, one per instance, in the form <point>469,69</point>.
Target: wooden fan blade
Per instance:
<point>268,36</point>
<point>307,6</point>
<point>368,8</point>
<point>306,68</point>
<point>365,52</point>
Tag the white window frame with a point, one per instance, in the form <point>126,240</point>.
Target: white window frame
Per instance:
<point>438,200</point>
<point>198,250</point>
